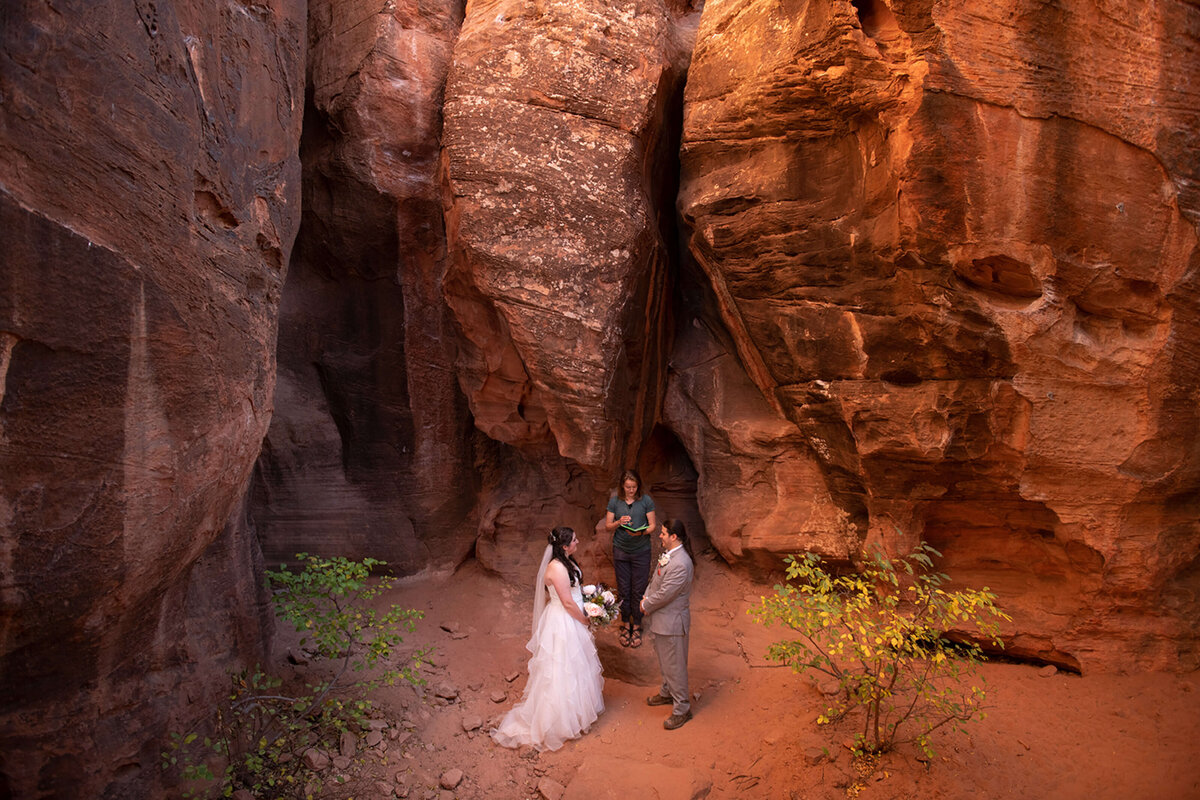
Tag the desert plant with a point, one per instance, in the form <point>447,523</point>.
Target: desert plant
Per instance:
<point>885,633</point>
<point>262,735</point>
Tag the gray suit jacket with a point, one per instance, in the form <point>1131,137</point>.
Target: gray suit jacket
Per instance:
<point>667,597</point>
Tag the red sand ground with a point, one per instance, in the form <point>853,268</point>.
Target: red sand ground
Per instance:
<point>1064,736</point>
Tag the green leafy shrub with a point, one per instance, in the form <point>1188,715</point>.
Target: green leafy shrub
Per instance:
<point>261,734</point>
<point>882,633</point>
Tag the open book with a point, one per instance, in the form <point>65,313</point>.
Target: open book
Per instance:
<point>635,530</point>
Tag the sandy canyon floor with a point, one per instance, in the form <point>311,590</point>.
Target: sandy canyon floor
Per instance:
<point>754,735</point>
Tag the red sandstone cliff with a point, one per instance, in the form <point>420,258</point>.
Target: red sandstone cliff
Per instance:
<point>880,272</point>
<point>955,247</point>
<point>149,196</point>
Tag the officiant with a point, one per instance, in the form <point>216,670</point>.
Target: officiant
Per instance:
<point>631,520</point>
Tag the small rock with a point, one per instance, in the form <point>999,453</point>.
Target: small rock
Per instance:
<point>348,744</point>
<point>401,777</point>
<point>1048,671</point>
<point>450,627</point>
<point>384,789</point>
<point>550,789</point>
<point>459,635</point>
<point>243,794</point>
<point>377,725</point>
<point>315,760</point>
<point>373,738</point>
<point>393,734</point>
<point>829,687</point>
<point>296,657</point>
<point>401,738</point>
<point>815,755</point>
<point>499,697</point>
<point>475,686</point>
<point>451,778</point>
<point>341,762</point>
<point>512,676</point>
<point>472,723</point>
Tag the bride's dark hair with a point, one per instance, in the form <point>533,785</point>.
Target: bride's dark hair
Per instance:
<point>560,539</point>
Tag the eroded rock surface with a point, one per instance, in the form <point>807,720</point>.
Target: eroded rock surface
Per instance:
<point>558,154</point>
<point>553,115</point>
<point>959,253</point>
<point>149,195</point>
<point>371,446</point>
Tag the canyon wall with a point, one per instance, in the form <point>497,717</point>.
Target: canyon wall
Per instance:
<point>149,197</point>
<point>371,446</point>
<point>881,273</point>
<point>955,248</point>
<point>833,274</point>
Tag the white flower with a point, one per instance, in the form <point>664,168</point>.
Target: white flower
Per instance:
<point>663,559</point>
<point>590,589</point>
<point>609,597</point>
<point>593,610</point>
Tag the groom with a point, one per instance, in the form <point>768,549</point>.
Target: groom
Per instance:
<point>666,606</point>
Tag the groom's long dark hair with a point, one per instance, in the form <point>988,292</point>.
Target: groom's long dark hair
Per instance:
<point>675,528</point>
<point>560,538</point>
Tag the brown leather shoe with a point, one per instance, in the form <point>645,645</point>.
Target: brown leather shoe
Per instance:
<point>676,721</point>
<point>659,700</point>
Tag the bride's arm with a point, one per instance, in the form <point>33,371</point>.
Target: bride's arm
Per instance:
<point>557,580</point>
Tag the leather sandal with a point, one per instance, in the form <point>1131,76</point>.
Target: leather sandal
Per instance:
<point>625,636</point>
<point>635,637</point>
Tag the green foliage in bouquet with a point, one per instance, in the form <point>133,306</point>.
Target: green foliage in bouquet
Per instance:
<point>882,633</point>
<point>260,735</point>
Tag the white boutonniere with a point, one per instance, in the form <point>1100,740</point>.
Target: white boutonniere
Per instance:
<point>663,559</point>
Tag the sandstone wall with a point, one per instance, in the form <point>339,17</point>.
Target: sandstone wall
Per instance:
<point>371,446</point>
<point>955,247</point>
<point>938,280</point>
<point>149,195</point>
<point>560,169</point>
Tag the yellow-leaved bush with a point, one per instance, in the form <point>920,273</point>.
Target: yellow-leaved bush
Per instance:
<point>902,648</point>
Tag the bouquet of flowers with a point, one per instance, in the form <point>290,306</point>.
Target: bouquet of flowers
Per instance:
<point>600,604</point>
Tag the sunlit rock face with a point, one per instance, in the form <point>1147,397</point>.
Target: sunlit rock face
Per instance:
<point>954,247</point>
<point>149,196</point>
<point>560,172</point>
<point>371,446</point>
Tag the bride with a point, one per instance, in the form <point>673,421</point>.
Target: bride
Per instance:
<point>563,694</point>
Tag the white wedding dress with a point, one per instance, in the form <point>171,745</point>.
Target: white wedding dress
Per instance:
<point>563,696</point>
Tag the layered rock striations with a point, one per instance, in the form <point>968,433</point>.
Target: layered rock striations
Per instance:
<point>559,167</point>
<point>149,195</point>
<point>956,248</point>
<point>370,449</point>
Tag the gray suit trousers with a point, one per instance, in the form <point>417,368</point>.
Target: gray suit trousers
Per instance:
<point>672,660</point>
